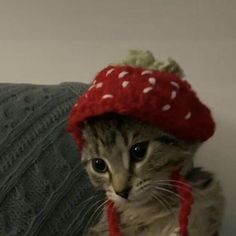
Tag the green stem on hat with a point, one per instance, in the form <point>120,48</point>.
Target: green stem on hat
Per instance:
<point>146,60</point>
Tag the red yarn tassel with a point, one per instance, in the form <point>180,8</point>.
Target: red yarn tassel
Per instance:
<point>184,189</point>
<point>113,220</point>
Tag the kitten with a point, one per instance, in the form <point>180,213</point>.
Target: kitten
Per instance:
<point>132,161</point>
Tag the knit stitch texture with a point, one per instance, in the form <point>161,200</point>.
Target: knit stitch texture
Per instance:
<point>43,187</point>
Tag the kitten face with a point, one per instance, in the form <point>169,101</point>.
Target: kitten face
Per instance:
<point>130,160</point>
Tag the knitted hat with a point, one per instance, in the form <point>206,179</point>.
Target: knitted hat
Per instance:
<point>148,90</point>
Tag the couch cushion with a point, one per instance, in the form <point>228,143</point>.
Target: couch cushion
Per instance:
<point>43,187</point>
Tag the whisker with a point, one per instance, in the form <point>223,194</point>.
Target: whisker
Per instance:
<point>170,198</point>
<point>181,184</point>
<point>89,209</point>
<point>185,188</point>
<point>169,191</point>
<point>163,201</point>
<point>82,206</point>
<point>99,208</point>
<point>91,218</point>
<point>163,204</point>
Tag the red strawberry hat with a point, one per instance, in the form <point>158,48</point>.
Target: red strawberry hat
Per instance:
<point>151,91</point>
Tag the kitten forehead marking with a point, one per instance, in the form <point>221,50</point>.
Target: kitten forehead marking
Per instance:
<point>125,162</point>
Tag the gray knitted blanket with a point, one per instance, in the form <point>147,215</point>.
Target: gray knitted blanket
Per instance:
<point>43,188</point>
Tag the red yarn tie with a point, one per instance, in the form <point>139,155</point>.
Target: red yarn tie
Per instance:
<point>184,189</point>
<point>113,219</point>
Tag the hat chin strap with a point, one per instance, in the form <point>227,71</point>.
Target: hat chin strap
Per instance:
<point>113,219</point>
<point>183,188</point>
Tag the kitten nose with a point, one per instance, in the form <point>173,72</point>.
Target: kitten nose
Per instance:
<point>124,193</point>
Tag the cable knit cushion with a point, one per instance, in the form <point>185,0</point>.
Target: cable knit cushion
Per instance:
<point>43,188</point>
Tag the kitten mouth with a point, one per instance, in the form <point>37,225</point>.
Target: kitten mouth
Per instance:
<point>130,196</point>
<point>135,200</point>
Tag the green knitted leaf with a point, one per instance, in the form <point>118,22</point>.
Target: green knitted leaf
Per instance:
<point>145,59</point>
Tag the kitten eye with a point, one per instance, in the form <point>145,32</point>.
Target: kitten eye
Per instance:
<point>138,151</point>
<point>166,140</point>
<point>99,165</point>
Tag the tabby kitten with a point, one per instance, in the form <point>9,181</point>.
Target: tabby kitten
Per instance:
<point>132,161</point>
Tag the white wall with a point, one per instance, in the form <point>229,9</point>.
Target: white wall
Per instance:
<point>54,41</point>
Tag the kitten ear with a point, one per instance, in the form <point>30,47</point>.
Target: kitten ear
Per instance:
<point>194,146</point>
<point>187,163</point>
<point>187,166</point>
<point>190,147</point>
